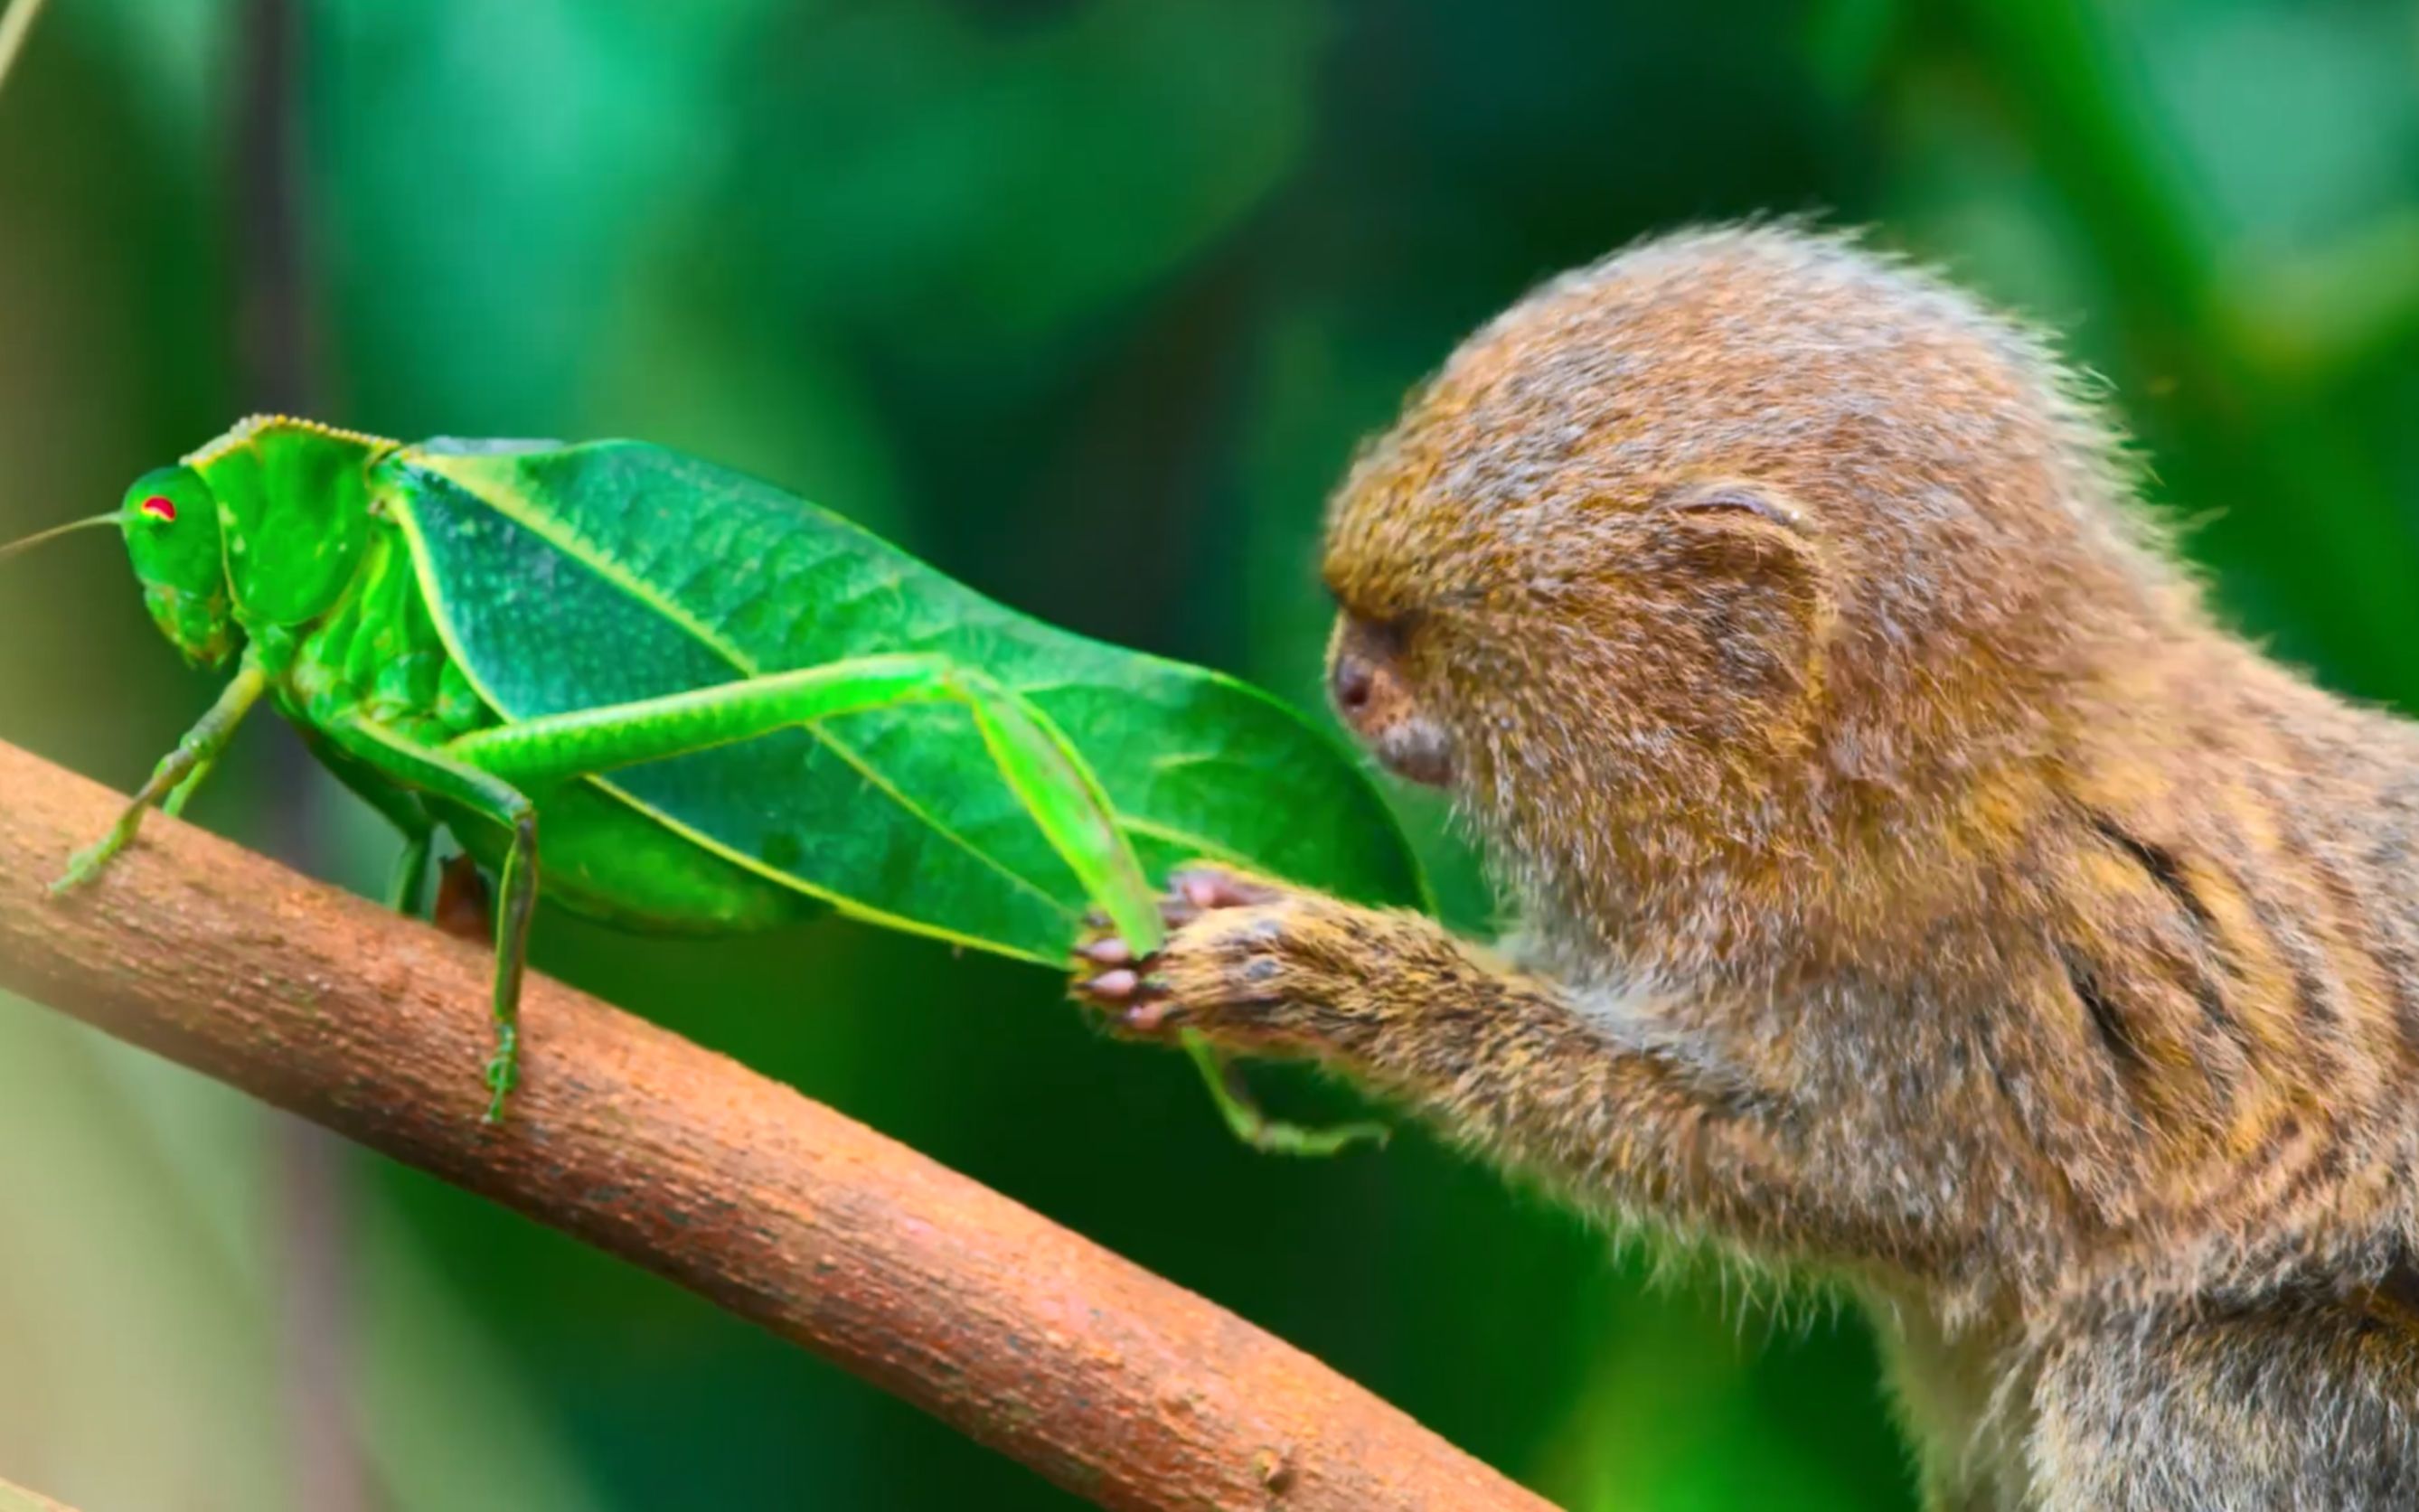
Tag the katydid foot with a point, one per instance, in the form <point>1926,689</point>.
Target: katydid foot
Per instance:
<point>172,776</point>
<point>173,780</point>
<point>88,863</point>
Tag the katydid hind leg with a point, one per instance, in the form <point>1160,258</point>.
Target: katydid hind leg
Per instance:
<point>1043,770</point>
<point>1251,1124</point>
<point>175,778</point>
<point>1050,778</point>
<point>1066,801</point>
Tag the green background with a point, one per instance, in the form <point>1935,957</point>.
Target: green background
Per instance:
<point>1086,303</point>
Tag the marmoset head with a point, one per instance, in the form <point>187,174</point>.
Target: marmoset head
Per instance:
<point>1705,539</point>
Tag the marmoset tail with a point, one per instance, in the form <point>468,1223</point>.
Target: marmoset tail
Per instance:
<point>1918,886</point>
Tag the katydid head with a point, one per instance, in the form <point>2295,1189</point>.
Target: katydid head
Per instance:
<point>171,524</point>
<point>196,533</point>
<point>263,527</point>
<point>171,521</point>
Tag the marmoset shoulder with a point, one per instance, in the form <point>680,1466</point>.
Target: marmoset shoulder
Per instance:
<point>1919,887</point>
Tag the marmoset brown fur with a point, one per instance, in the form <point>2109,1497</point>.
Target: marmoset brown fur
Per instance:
<point>1917,885</point>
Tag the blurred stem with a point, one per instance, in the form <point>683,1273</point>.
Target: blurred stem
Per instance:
<point>316,1331</point>
<point>274,300</point>
<point>15,27</point>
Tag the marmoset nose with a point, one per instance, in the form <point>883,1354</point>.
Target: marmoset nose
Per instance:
<point>1355,681</point>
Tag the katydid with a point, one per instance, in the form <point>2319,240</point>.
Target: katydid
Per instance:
<point>731,710</point>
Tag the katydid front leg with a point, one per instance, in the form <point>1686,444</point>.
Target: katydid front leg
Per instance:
<point>179,773</point>
<point>182,793</point>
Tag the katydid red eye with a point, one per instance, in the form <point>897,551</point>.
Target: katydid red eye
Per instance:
<point>160,506</point>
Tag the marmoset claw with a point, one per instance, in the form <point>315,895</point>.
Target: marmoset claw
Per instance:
<point>1125,988</point>
<point>1131,1000</point>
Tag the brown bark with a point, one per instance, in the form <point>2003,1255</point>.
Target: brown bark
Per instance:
<point>1115,1384</point>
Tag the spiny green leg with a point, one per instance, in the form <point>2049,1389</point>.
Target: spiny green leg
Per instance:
<point>442,774</point>
<point>1039,766</point>
<point>176,775</point>
<point>1055,785</point>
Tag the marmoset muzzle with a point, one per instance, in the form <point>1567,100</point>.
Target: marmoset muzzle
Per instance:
<point>1365,676</point>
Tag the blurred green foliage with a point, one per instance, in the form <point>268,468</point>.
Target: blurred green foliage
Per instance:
<point>1086,301</point>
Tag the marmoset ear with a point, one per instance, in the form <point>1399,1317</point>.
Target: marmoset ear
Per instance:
<point>1747,560</point>
<point>1740,531</point>
<point>1737,516</point>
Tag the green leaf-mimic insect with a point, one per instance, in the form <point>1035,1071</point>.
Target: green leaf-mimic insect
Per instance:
<point>719,707</point>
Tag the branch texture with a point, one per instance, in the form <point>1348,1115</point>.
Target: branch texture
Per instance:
<point>1117,1385</point>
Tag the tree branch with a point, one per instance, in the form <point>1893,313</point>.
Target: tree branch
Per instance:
<point>15,1498</point>
<point>1115,1384</point>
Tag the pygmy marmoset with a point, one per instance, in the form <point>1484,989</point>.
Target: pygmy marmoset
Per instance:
<point>1917,885</point>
